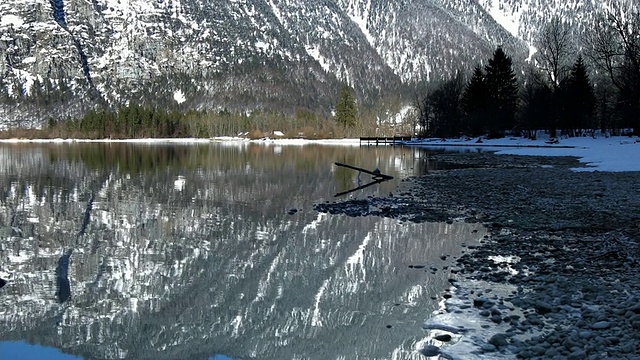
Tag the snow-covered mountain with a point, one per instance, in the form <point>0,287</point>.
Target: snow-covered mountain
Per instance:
<point>66,56</point>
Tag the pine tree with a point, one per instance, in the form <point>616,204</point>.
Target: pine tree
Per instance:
<point>579,100</point>
<point>346,110</point>
<point>502,87</point>
<point>475,101</point>
<point>445,103</point>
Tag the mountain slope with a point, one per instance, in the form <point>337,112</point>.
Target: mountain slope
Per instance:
<point>64,57</point>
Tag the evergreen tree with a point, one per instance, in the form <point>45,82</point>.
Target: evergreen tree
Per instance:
<point>537,110</point>
<point>475,101</point>
<point>346,110</point>
<point>445,103</point>
<point>579,100</point>
<point>502,87</point>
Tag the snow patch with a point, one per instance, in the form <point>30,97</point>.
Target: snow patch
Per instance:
<point>11,19</point>
<point>315,54</point>
<point>503,16</point>
<point>361,21</point>
<point>178,96</point>
<point>532,51</point>
<point>261,45</point>
<point>612,154</point>
<point>29,60</point>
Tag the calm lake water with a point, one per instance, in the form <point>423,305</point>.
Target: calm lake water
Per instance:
<point>137,251</point>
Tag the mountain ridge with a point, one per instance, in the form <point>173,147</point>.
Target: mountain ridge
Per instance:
<point>254,54</point>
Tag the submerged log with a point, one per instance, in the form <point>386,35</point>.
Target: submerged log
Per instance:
<point>376,173</point>
<point>378,178</point>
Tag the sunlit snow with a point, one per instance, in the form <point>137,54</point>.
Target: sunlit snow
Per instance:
<point>14,20</point>
<point>315,54</point>
<point>501,15</point>
<point>614,154</point>
<point>361,21</point>
<point>178,96</point>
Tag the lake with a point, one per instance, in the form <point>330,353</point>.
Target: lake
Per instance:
<point>212,251</point>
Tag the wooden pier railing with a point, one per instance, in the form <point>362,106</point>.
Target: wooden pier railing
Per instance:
<point>387,140</point>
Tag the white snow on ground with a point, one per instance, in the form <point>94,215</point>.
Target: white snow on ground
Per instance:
<point>616,153</point>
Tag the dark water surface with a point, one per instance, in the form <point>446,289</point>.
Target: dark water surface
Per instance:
<point>134,251</point>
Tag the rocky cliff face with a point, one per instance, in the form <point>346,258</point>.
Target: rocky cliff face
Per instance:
<point>63,57</point>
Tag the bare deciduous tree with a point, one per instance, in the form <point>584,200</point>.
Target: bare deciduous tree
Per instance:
<point>615,44</point>
<point>555,46</point>
<point>615,48</point>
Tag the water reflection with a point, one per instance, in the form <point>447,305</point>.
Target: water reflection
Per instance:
<point>24,351</point>
<point>193,252</point>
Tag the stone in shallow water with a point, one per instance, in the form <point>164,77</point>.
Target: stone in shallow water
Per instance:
<point>479,302</point>
<point>488,348</point>
<point>430,350</point>
<point>443,337</point>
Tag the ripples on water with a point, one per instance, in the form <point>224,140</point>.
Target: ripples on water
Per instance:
<point>185,252</point>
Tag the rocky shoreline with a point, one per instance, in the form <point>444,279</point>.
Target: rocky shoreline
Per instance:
<point>565,244</point>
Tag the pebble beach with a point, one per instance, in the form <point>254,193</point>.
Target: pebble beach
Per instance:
<point>557,275</point>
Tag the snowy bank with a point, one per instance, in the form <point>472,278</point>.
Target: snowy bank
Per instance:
<point>616,153</point>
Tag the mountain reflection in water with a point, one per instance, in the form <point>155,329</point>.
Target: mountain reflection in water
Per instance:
<point>190,251</point>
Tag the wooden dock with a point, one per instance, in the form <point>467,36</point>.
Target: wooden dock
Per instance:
<point>387,140</point>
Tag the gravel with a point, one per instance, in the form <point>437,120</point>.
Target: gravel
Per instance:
<point>572,240</point>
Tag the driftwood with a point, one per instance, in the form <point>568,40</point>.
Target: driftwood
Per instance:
<point>377,178</point>
<point>376,173</point>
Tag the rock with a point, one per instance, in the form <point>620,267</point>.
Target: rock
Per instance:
<point>538,350</point>
<point>479,302</point>
<point>543,307</point>
<point>430,350</point>
<point>499,340</point>
<point>585,334</point>
<point>577,355</point>
<point>443,337</point>
<point>601,325</point>
<point>488,348</point>
<point>525,354</point>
